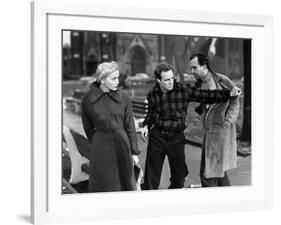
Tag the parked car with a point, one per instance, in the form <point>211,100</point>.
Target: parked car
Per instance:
<point>87,80</point>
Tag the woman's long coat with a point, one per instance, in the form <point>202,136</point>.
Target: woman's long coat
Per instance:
<point>109,125</point>
<point>220,132</point>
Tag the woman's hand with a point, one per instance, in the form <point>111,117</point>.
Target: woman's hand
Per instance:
<point>136,160</point>
<point>144,133</point>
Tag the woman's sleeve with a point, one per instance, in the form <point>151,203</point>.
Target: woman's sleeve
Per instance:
<point>129,126</point>
<point>88,124</point>
<point>149,117</point>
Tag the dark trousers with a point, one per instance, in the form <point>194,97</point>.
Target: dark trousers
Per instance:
<point>161,144</point>
<point>214,181</point>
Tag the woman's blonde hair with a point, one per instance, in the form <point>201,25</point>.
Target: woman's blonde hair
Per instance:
<point>104,69</point>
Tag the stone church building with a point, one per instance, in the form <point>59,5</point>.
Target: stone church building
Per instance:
<point>140,53</point>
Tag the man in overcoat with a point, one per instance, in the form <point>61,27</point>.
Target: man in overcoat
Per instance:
<point>219,151</point>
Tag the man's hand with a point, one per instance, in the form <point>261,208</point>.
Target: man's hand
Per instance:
<point>144,133</point>
<point>235,91</point>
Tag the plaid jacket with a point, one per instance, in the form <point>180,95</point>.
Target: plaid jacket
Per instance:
<point>168,111</point>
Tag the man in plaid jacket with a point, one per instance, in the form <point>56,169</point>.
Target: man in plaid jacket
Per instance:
<point>165,123</point>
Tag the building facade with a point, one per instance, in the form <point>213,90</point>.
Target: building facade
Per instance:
<point>140,53</point>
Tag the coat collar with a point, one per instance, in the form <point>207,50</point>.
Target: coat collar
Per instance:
<point>95,93</point>
<point>218,81</point>
<point>222,81</point>
<point>216,77</point>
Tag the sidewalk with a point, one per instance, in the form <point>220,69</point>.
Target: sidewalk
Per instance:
<point>238,176</point>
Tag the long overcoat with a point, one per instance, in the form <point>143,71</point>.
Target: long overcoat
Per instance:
<point>109,125</point>
<point>220,132</point>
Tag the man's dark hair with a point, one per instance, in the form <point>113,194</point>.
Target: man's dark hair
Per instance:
<point>202,60</point>
<point>163,66</point>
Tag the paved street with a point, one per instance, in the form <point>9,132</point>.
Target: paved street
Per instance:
<point>239,176</point>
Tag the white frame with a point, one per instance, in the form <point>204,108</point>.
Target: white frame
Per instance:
<point>48,18</point>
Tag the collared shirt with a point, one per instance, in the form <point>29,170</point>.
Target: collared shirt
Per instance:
<point>168,111</point>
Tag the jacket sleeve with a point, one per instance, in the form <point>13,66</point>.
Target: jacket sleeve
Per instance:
<point>149,118</point>
<point>206,96</point>
<point>88,125</point>
<point>129,125</point>
<point>232,112</point>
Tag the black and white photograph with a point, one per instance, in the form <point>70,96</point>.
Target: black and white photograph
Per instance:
<point>143,112</point>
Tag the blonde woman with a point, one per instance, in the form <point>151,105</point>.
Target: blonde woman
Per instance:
<point>109,125</point>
